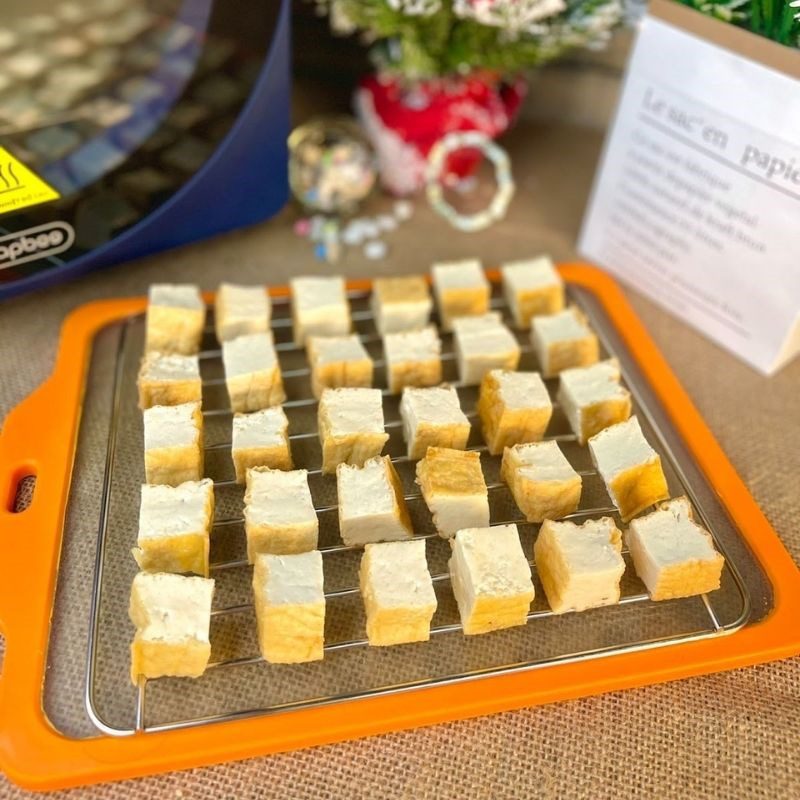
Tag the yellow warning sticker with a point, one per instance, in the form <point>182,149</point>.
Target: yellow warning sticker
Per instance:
<point>19,186</point>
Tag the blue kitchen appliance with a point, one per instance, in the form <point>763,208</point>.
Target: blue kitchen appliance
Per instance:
<point>131,126</point>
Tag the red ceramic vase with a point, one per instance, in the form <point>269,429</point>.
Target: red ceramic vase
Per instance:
<point>404,122</point>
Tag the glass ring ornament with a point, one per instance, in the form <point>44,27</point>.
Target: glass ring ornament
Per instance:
<point>437,158</point>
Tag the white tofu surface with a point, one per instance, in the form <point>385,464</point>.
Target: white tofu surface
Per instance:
<point>170,426</point>
<point>543,461</point>
<point>521,390</point>
<point>240,310</point>
<point>170,367</point>
<point>249,354</point>
<point>438,405</point>
<point>368,506</point>
<point>531,273</point>
<point>176,295</point>
<point>419,345</point>
<point>667,537</point>
<point>483,343</point>
<point>295,579</point>
<point>488,562</point>
<point>279,497</point>
<point>173,607</point>
<point>620,447</point>
<point>353,410</point>
<point>173,510</point>
<point>563,326</point>
<point>464,274</point>
<point>319,307</point>
<point>398,574</point>
<point>264,428</point>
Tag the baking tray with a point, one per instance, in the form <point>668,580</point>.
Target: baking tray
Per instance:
<point>68,714</point>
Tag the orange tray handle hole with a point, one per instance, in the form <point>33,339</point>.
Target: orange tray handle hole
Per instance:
<point>21,491</point>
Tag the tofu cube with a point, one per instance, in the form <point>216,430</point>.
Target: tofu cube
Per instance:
<point>432,417</point>
<point>279,515</point>
<point>371,503</point>
<point>290,607</point>
<point>239,310</point>
<point>172,615</point>
<point>174,526</point>
<point>630,468</point>
<point>260,439</point>
<point>319,307</point>
<point>173,444</point>
<point>350,423</point>
<point>169,380</point>
<point>514,408</point>
<point>532,288</point>
<point>400,304</point>
<point>176,315</point>
<point>338,361</point>
<point>491,579</point>
<point>543,482</point>
<point>413,358</point>
<point>461,290</point>
<point>454,489</point>
<point>672,554</point>
<point>483,344</point>
<point>580,566</point>
<point>563,340</point>
<point>593,399</point>
<point>252,372</point>
<point>398,593</point>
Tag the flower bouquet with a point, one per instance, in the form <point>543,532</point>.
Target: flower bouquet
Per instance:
<point>455,65</point>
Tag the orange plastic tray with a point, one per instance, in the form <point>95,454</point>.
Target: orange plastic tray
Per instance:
<point>39,438</point>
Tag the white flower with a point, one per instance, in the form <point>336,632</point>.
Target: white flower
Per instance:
<point>795,4</point>
<point>416,8</point>
<point>514,16</point>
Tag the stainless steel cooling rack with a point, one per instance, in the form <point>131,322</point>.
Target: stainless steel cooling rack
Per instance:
<point>238,683</point>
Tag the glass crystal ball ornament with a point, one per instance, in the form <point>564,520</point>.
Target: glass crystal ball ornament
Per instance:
<point>332,166</point>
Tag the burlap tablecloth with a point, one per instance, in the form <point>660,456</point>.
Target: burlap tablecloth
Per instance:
<point>733,735</point>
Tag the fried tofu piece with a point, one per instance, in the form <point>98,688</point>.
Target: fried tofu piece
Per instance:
<point>372,507</point>
<point>260,439</point>
<point>630,468</point>
<point>482,344</point>
<point>562,341</point>
<point>491,579</point>
<point>580,566</point>
<point>413,358</point>
<point>239,310</point>
<point>169,380</point>
<point>176,315</point>
<point>290,607</point>
<point>319,307</point>
<point>279,515</point>
<point>173,444</point>
<point>252,372</point>
<point>593,398</point>
<point>174,527</point>
<point>400,303</point>
<point>543,482</point>
<point>351,428</point>
<point>432,417</point>
<point>461,290</point>
<point>532,288</point>
<point>514,408</point>
<point>338,361</point>
<point>454,489</point>
<point>672,554</point>
<point>398,594</point>
<point>172,615</point>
